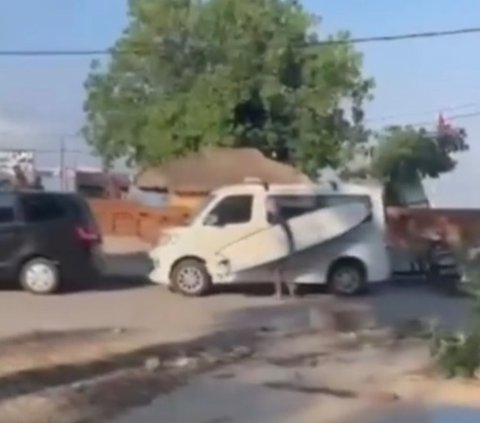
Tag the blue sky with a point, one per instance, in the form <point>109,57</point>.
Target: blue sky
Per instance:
<point>42,97</point>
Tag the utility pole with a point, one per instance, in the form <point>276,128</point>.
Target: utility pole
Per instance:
<point>62,163</point>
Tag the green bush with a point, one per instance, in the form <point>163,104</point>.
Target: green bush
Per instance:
<point>459,354</point>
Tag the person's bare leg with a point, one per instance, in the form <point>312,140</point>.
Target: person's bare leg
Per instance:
<point>292,289</point>
<point>277,281</point>
<point>291,286</point>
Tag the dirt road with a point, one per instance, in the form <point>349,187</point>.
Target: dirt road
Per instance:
<point>36,373</point>
<point>303,380</point>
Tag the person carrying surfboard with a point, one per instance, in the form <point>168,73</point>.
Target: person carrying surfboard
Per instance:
<point>275,217</point>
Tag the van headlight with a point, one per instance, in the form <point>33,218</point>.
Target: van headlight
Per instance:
<point>166,239</point>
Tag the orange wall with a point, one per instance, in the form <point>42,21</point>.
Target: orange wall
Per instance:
<point>189,201</point>
<point>127,218</point>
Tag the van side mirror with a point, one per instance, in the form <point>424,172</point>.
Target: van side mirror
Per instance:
<point>212,220</point>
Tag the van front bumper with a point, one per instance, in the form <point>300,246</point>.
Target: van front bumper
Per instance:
<point>159,274</point>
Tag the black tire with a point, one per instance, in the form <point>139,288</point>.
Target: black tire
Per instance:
<point>199,285</point>
<point>48,276</point>
<point>347,278</point>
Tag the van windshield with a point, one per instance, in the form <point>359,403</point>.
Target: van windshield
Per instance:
<point>199,211</point>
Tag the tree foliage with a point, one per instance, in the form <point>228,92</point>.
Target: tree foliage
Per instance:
<point>458,354</point>
<point>187,74</point>
<point>405,153</point>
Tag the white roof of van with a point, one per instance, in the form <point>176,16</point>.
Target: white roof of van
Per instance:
<point>300,189</point>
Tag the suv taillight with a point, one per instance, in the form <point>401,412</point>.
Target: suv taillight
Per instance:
<point>88,235</point>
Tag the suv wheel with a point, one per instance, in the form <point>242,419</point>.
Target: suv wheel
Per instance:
<point>347,278</point>
<point>191,278</point>
<point>40,276</point>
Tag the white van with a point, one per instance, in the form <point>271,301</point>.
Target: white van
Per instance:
<point>233,226</point>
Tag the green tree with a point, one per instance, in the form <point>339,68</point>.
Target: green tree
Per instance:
<point>407,154</point>
<point>187,74</point>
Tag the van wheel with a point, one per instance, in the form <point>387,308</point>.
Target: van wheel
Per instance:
<point>40,276</point>
<point>191,278</point>
<point>347,278</point>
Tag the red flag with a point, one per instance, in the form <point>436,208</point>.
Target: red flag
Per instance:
<point>443,124</point>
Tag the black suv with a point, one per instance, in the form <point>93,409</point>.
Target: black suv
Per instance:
<point>48,241</point>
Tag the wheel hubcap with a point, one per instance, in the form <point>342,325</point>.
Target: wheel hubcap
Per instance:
<point>40,278</point>
<point>347,280</point>
<point>190,279</point>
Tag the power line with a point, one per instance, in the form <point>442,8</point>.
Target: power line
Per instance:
<point>53,53</point>
<point>378,119</point>
<point>358,40</point>
<point>450,117</point>
<point>407,36</point>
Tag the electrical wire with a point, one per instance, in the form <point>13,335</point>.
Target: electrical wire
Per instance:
<point>450,117</point>
<point>359,40</point>
<point>406,36</point>
<point>378,119</point>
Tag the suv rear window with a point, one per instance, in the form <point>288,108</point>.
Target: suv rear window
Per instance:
<point>41,208</point>
<point>47,207</point>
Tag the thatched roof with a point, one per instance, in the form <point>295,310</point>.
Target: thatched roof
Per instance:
<point>208,170</point>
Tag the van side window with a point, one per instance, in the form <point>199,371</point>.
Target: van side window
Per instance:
<point>7,208</point>
<point>235,209</point>
<point>41,208</point>
<point>339,200</point>
<point>290,206</point>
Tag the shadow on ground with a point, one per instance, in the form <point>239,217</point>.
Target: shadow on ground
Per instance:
<point>391,304</point>
<point>46,376</point>
<point>407,300</point>
<point>265,289</point>
<point>124,272</point>
<point>121,283</point>
<point>417,413</point>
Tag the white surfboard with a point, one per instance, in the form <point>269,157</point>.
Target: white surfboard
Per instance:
<point>271,244</point>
